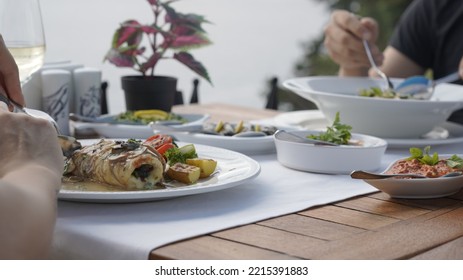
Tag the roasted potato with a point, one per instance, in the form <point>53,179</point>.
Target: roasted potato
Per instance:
<point>207,166</point>
<point>184,173</point>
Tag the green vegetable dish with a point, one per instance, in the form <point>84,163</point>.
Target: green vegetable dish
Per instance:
<point>381,93</point>
<point>337,133</point>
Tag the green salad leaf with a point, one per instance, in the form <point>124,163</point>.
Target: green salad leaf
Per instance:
<point>425,157</point>
<point>337,133</point>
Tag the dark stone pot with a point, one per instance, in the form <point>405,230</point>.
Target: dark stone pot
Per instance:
<point>149,92</point>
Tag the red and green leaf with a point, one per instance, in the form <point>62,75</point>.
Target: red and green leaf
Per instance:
<point>189,61</point>
<point>189,42</point>
<point>179,32</point>
<point>120,59</point>
<point>129,33</point>
<point>150,63</point>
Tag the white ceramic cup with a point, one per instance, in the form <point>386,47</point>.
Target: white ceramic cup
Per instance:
<point>87,89</point>
<point>56,96</point>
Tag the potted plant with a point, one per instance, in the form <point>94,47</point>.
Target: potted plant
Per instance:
<point>142,46</point>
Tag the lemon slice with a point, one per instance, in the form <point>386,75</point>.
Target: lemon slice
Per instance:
<point>151,114</point>
<point>239,127</point>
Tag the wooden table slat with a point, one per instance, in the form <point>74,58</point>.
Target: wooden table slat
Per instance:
<point>349,217</point>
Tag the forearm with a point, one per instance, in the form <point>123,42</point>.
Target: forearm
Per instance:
<point>353,72</point>
<point>27,212</point>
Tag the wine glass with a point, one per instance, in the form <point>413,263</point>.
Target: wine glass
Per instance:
<point>22,30</point>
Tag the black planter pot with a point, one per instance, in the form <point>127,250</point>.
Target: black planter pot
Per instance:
<point>149,92</point>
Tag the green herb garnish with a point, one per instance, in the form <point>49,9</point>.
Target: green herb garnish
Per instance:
<point>424,157</point>
<point>455,162</point>
<point>129,116</point>
<point>181,154</point>
<point>338,133</point>
<point>383,93</point>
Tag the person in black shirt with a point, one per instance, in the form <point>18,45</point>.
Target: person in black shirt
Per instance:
<point>429,35</point>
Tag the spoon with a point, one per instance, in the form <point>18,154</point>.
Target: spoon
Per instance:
<point>287,136</point>
<point>420,87</point>
<point>389,84</point>
<point>360,174</point>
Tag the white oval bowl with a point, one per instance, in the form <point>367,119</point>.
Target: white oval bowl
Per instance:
<point>381,117</point>
<point>418,188</point>
<point>341,159</point>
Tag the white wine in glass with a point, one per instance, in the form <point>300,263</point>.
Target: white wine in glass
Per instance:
<point>22,30</point>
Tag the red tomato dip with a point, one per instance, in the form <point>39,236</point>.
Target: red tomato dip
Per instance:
<point>416,167</point>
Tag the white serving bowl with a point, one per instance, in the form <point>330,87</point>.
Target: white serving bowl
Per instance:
<point>386,118</point>
<point>418,188</point>
<point>341,159</point>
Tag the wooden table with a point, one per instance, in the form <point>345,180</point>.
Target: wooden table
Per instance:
<point>366,227</point>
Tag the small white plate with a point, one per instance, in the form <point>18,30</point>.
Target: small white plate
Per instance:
<point>113,129</point>
<point>245,145</point>
<point>444,134</point>
<point>233,169</point>
<point>419,188</point>
<point>303,119</point>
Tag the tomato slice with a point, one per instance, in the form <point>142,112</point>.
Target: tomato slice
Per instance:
<point>164,148</point>
<point>158,140</point>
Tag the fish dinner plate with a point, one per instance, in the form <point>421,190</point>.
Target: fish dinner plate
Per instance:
<point>233,169</point>
<point>108,126</point>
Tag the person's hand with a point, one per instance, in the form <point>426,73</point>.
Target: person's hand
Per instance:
<point>9,75</point>
<point>28,141</point>
<point>343,40</point>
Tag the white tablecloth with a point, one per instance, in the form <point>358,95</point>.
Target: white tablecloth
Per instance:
<point>131,231</point>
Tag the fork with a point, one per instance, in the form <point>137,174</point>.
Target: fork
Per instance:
<point>68,143</point>
<point>390,86</point>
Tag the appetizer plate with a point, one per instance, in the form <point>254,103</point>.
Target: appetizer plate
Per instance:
<point>443,134</point>
<point>419,188</point>
<point>381,117</point>
<point>341,159</point>
<point>246,145</point>
<point>233,169</point>
<point>108,126</point>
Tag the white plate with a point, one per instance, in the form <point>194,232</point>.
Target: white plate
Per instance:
<point>233,169</point>
<point>303,119</point>
<point>419,188</point>
<point>245,145</point>
<point>123,130</point>
<point>446,133</point>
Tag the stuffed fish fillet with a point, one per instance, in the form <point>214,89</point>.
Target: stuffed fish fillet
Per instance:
<point>126,164</point>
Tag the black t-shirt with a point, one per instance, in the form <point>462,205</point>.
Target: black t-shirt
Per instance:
<point>430,32</point>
